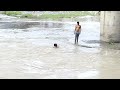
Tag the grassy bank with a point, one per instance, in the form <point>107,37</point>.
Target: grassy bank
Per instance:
<point>12,13</point>
<point>55,16</point>
<point>64,15</point>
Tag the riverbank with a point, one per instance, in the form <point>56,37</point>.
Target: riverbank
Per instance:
<point>71,16</point>
<point>55,15</point>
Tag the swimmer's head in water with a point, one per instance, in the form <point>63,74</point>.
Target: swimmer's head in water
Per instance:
<point>55,45</point>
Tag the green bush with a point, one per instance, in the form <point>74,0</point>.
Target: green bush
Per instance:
<point>12,13</point>
<point>65,15</point>
<point>28,16</point>
<point>58,16</point>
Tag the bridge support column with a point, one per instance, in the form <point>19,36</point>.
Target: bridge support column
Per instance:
<point>110,26</point>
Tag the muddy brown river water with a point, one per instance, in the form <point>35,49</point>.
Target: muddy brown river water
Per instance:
<point>26,51</point>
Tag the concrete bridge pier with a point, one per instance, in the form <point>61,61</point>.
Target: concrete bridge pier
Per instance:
<point>110,26</point>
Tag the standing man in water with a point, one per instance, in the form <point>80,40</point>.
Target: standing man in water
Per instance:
<point>77,32</point>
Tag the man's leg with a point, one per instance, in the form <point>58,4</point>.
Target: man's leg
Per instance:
<point>75,38</point>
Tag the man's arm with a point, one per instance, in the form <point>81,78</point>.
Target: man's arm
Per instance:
<point>75,28</point>
<point>80,27</point>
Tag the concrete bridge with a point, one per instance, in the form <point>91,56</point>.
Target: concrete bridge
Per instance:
<point>110,26</point>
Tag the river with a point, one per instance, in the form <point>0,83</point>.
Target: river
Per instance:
<point>26,51</point>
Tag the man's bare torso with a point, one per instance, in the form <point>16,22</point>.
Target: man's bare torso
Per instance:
<point>77,28</point>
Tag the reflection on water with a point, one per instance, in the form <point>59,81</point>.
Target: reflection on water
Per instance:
<point>26,51</point>
<point>25,25</point>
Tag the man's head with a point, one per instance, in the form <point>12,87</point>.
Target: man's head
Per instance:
<point>55,45</point>
<point>78,23</point>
